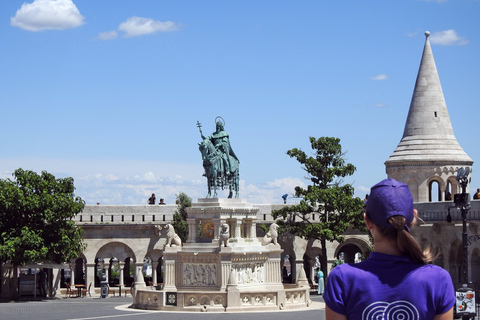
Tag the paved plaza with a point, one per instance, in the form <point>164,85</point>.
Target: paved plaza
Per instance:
<point>118,308</point>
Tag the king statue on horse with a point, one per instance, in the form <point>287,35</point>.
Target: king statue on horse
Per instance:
<point>219,161</point>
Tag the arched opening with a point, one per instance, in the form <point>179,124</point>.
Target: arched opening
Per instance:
<point>79,271</point>
<point>65,277</point>
<point>448,192</point>
<point>434,193</point>
<point>160,270</point>
<point>286,269</point>
<point>119,263</point>
<point>99,269</point>
<point>455,261</point>
<point>128,272</point>
<point>349,253</point>
<point>475,265</point>
<point>113,272</point>
<point>147,271</point>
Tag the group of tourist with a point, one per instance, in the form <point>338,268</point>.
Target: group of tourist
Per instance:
<point>152,200</point>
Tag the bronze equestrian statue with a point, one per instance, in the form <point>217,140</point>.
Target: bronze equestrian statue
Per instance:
<point>219,161</point>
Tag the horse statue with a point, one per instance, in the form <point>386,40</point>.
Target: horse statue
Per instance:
<point>220,163</point>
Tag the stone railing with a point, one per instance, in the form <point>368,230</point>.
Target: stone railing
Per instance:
<point>156,214</point>
<point>256,300</point>
<point>147,214</point>
<point>438,211</point>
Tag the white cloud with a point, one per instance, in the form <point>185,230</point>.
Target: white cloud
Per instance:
<point>363,189</point>
<point>380,105</point>
<point>138,26</point>
<point>46,15</point>
<point>109,35</point>
<point>126,182</point>
<point>447,38</point>
<point>380,77</point>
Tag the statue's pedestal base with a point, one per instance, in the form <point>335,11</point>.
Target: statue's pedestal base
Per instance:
<point>203,275</point>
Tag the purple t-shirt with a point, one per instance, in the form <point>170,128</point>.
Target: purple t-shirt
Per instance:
<point>389,287</point>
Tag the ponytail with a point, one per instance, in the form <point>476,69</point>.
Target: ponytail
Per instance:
<point>399,233</point>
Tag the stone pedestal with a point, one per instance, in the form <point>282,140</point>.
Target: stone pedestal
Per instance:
<point>205,275</point>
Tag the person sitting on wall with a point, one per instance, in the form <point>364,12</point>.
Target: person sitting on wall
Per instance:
<point>161,201</point>
<point>151,200</point>
<point>476,196</point>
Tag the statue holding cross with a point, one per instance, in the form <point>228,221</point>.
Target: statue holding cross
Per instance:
<point>219,161</point>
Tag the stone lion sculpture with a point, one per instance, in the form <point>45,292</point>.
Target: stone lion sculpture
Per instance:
<point>224,234</point>
<point>172,237</point>
<point>272,235</point>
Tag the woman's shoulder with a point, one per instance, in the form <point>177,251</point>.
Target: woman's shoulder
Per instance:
<point>347,270</point>
<point>432,270</point>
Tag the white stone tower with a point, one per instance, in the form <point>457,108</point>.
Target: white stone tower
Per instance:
<point>428,154</point>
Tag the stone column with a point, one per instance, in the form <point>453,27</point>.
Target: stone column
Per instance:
<point>253,229</point>
<point>54,290</point>
<point>237,232</point>
<point>72,273</point>
<point>169,276</point>
<point>139,280</point>
<point>192,230</point>
<point>121,267</point>
<point>296,267</point>
<point>90,274</point>
<point>154,272</point>
<point>216,225</point>
<point>248,225</point>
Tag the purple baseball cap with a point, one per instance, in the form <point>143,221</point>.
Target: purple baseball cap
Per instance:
<point>389,198</point>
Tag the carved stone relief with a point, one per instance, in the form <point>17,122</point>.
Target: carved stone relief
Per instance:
<point>197,274</point>
<point>249,273</point>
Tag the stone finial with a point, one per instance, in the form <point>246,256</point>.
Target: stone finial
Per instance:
<point>427,33</point>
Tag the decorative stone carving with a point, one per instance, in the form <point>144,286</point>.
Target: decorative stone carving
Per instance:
<point>224,234</point>
<point>272,235</point>
<point>172,237</point>
<point>199,274</point>
<point>249,273</point>
<point>208,230</point>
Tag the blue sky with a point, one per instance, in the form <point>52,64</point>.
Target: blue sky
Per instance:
<point>109,92</point>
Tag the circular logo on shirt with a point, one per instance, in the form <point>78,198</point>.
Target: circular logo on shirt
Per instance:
<point>398,310</point>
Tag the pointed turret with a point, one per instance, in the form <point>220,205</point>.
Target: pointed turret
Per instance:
<point>428,150</point>
<point>428,133</point>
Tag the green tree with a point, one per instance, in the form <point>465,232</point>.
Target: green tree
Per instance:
<point>36,223</point>
<point>180,216</point>
<point>332,202</point>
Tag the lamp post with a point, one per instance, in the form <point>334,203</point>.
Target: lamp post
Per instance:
<point>462,201</point>
<point>465,297</point>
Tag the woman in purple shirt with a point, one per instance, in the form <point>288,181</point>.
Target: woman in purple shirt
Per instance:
<point>396,281</point>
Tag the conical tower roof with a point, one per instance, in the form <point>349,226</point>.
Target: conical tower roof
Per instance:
<point>428,134</point>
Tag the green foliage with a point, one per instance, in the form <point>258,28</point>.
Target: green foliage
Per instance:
<point>180,216</point>
<point>36,214</point>
<point>332,202</point>
<point>337,262</point>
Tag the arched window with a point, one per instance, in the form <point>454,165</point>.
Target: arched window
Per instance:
<point>434,193</point>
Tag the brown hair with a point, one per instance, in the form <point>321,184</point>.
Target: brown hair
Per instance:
<point>399,235</point>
